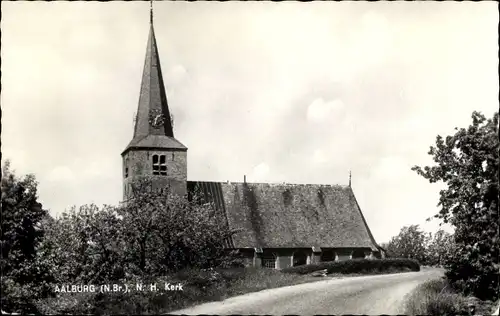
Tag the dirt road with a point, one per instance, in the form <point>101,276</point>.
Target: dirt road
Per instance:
<point>372,295</point>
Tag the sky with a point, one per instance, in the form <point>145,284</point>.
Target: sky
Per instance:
<point>280,92</point>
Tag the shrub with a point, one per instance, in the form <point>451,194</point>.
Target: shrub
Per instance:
<point>358,266</point>
<point>435,297</point>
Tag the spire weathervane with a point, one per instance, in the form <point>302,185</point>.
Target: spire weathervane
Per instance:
<point>151,12</point>
<point>350,178</point>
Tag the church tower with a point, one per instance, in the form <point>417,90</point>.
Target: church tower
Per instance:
<point>154,151</point>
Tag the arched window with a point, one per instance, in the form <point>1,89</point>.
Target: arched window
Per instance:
<point>269,260</point>
<point>159,165</point>
<point>299,259</point>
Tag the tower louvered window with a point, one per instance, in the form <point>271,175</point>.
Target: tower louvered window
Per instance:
<point>159,165</point>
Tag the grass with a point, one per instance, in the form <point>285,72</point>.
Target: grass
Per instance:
<point>198,287</point>
<point>436,297</point>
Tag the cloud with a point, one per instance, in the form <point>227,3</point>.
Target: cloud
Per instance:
<point>320,110</point>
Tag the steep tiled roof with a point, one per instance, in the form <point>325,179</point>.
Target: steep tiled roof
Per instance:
<point>153,105</point>
<point>289,215</point>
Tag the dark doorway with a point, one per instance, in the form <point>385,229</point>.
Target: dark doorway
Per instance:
<point>358,254</point>
<point>328,255</point>
<point>299,259</point>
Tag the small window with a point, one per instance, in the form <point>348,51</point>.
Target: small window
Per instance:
<point>126,172</point>
<point>269,260</point>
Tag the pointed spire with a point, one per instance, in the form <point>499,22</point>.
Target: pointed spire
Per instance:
<point>153,115</point>
<point>153,126</point>
<point>151,12</point>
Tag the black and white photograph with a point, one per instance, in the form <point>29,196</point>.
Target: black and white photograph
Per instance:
<point>250,157</point>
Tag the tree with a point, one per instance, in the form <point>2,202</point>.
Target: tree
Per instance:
<point>467,162</point>
<point>409,243</point>
<point>440,248</point>
<point>25,276</point>
<point>164,231</point>
<point>154,233</point>
<point>85,245</point>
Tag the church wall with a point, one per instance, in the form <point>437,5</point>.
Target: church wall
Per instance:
<point>139,163</point>
<point>284,256</point>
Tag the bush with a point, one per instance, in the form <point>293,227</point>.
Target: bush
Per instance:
<point>435,298</point>
<point>358,266</point>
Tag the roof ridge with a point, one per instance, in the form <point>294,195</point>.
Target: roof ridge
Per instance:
<point>344,186</point>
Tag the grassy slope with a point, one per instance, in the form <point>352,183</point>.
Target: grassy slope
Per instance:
<point>435,297</point>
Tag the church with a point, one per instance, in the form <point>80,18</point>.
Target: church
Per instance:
<point>281,225</point>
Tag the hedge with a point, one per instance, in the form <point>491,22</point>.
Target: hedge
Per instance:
<point>358,266</point>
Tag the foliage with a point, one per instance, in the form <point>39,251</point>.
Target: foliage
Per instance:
<point>167,231</point>
<point>468,163</point>
<point>358,266</point>
<point>409,243</point>
<point>440,248</point>
<point>153,233</point>
<point>435,298</point>
<point>85,245</point>
<point>25,274</point>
